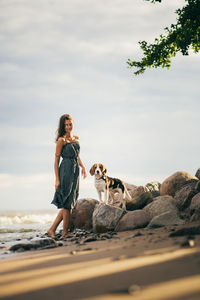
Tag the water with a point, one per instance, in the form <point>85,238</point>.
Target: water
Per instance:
<point>22,226</point>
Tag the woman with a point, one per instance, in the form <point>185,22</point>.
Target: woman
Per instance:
<point>67,174</point>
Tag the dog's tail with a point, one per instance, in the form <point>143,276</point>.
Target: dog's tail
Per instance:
<point>126,193</point>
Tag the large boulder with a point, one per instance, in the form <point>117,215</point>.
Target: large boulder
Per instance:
<point>173,183</point>
<point>132,220</point>
<point>160,205</point>
<point>154,188</point>
<point>164,219</point>
<point>195,203</point>
<point>129,186</point>
<point>185,194</point>
<point>82,214</point>
<point>141,196</point>
<point>198,173</point>
<point>195,208</point>
<point>106,217</point>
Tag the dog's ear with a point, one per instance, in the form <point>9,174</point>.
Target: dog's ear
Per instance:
<point>103,169</point>
<point>92,170</point>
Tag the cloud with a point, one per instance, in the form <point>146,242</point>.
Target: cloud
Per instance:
<point>89,28</point>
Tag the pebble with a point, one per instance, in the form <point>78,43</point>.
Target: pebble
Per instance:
<point>188,243</point>
<point>120,257</point>
<point>3,247</point>
<point>90,240</point>
<point>134,289</point>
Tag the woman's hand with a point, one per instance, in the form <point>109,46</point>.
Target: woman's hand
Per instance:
<point>57,184</point>
<point>84,174</point>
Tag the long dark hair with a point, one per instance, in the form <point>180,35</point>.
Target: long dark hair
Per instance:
<point>61,126</point>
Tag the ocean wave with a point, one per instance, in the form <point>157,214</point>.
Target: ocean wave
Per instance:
<point>21,230</point>
<point>27,219</point>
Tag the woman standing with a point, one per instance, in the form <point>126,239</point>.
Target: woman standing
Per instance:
<point>67,174</point>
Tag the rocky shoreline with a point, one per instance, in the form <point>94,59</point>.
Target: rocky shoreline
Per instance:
<point>174,202</point>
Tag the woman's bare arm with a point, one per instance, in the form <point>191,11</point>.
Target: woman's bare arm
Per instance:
<point>83,167</point>
<point>59,146</point>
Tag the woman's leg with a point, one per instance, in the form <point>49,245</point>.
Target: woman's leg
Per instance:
<point>66,221</point>
<point>58,219</point>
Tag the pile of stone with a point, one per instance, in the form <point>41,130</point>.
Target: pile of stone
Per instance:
<point>175,201</point>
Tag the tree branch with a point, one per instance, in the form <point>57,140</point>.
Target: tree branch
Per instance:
<point>180,37</point>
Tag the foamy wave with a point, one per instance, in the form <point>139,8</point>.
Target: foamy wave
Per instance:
<point>22,230</point>
<point>27,219</point>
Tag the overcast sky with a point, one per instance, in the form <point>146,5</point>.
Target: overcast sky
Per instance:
<point>69,56</point>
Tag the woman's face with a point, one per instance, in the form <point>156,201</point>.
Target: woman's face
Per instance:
<point>68,126</point>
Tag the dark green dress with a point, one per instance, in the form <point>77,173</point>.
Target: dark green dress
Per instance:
<point>67,193</point>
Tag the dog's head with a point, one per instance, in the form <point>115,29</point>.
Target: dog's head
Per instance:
<point>98,169</point>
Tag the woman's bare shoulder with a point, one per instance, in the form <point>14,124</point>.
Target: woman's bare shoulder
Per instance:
<point>60,140</point>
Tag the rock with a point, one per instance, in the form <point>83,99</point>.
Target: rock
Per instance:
<point>185,194</point>
<point>154,188</point>
<point>106,236</point>
<point>160,205</point>
<point>130,187</point>
<point>188,230</point>
<point>188,243</point>
<point>91,239</point>
<point>141,196</point>
<point>43,243</point>
<point>195,203</point>
<point>164,219</point>
<point>173,183</point>
<point>195,216</point>
<point>82,214</point>
<point>197,186</point>
<point>195,208</point>
<point>198,173</point>
<point>120,257</point>
<point>132,220</point>
<point>106,217</point>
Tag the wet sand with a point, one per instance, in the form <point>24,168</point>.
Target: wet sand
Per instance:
<point>138,264</point>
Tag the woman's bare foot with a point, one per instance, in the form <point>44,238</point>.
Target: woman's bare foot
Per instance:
<point>67,234</point>
<point>51,233</point>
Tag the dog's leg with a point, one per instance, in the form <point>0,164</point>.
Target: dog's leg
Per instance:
<point>112,197</point>
<point>122,198</point>
<point>126,193</point>
<point>124,201</point>
<point>100,198</point>
<point>106,196</point>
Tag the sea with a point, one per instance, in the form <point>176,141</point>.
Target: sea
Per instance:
<point>22,226</point>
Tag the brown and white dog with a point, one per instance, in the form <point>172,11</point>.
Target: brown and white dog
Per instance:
<point>107,185</point>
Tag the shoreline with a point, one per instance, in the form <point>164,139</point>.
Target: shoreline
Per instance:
<point>129,264</point>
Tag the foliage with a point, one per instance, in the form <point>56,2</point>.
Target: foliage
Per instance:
<point>180,37</point>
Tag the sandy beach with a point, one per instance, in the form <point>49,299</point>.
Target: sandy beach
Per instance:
<point>138,264</point>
